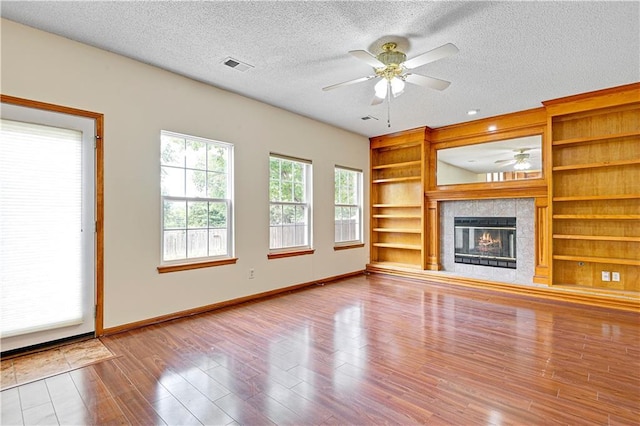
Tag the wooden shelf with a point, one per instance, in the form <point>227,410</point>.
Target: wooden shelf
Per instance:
<point>398,246</point>
<point>631,262</point>
<point>595,165</point>
<point>384,264</point>
<point>598,197</point>
<point>396,216</point>
<point>598,216</point>
<point>598,138</point>
<point>595,238</point>
<point>399,230</point>
<point>397,206</point>
<point>394,165</point>
<point>397,164</point>
<point>398,179</point>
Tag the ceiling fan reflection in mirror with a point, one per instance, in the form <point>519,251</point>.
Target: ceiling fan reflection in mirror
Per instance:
<point>520,159</point>
<point>393,69</point>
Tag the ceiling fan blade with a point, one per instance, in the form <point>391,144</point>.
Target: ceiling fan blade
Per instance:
<point>431,56</point>
<point>347,83</point>
<point>424,81</point>
<point>367,57</point>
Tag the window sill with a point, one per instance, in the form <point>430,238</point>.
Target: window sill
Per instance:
<point>188,266</point>
<point>280,255</point>
<point>348,246</point>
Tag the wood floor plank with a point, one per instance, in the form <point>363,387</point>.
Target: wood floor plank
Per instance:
<point>364,350</point>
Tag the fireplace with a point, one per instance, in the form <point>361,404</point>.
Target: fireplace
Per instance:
<point>485,241</point>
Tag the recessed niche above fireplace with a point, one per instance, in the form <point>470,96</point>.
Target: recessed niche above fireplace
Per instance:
<point>485,241</point>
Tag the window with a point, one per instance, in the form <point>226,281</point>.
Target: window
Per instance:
<point>348,206</point>
<point>289,203</point>
<point>197,195</point>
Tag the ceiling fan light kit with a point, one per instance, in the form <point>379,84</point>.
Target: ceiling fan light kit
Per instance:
<point>392,67</point>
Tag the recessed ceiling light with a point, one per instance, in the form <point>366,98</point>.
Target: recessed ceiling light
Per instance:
<point>493,128</point>
<point>473,111</point>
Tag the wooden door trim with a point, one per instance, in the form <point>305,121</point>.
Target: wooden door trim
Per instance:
<point>99,190</point>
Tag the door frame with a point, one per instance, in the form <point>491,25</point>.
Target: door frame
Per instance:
<point>99,191</point>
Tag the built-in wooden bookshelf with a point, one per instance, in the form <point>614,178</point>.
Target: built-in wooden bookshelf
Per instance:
<point>397,199</point>
<point>595,189</point>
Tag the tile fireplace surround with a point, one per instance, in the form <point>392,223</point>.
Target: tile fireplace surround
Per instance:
<point>520,208</point>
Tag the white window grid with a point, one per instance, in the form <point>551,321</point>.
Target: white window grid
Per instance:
<point>348,215</point>
<point>290,219</point>
<point>193,239</point>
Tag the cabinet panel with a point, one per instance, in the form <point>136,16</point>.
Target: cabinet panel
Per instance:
<point>589,274</point>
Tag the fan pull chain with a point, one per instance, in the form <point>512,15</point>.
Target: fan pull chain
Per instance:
<point>388,103</point>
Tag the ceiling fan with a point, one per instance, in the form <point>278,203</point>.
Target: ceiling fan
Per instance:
<point>520,159</point>
<point>393,69</point>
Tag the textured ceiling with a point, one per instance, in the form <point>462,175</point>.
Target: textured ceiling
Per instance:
<point>513,55</point>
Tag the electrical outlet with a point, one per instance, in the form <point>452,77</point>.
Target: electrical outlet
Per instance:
<point>606,276</point>
<point>615,276</point>
<point>252,273</point>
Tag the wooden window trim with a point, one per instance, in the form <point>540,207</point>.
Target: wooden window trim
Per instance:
<point>280,255</point>
<point>348,246</point>
<point>197,265</point>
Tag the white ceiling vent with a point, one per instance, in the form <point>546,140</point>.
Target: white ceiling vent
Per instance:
<point>368,117</point>
<point>236,64</point>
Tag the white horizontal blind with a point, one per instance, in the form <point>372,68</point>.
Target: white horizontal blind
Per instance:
<point>40,227</point>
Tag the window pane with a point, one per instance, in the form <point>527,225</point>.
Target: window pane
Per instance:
<point>287,191</point>
<point>172,151</point>
<point>275,237</point>
<point>288,214</point>
<point>198,214</point>
<point>217,159</point>
<point>217,242</point>
<point>197,243</point>
<point>175,245</point>
<point>175,214</point>
<point>298,172</point>
<point>217,215</point>
<point>196,155</point>
<point>196,183</point>
<point>216,185</point>
<point>172,181</point>
<point>275,215</point>
<point>274,190</point>
<point>274,168</point>
<point>286,171</point>
<point>298,193</point>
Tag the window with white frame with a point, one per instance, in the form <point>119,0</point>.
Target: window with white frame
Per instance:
<point>197,198</point>
<point>289,203</point>
<point>348,206</point>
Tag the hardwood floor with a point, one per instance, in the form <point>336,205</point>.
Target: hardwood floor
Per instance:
<point>365,350</point>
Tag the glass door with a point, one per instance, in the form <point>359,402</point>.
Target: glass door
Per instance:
<point>47,226</point>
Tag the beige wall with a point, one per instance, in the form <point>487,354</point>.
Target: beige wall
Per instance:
<point>138,101</point>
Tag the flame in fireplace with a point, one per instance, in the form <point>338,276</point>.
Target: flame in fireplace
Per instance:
<point>486,241</point>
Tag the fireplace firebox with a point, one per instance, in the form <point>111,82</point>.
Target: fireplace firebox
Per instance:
<point>485,241</point>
